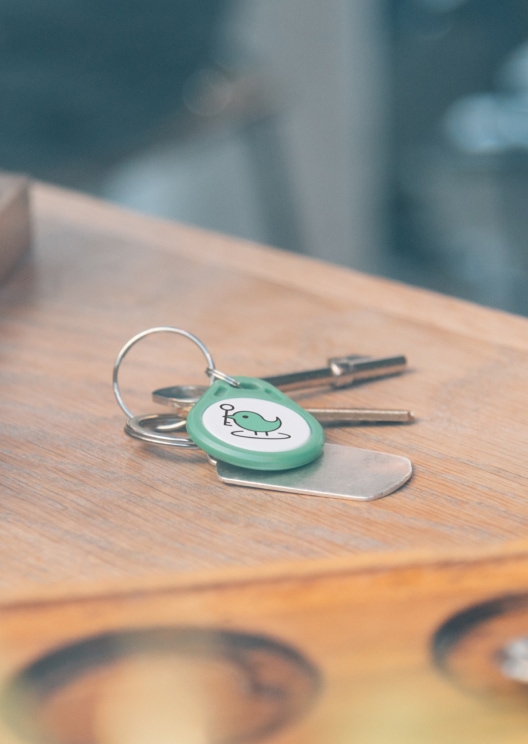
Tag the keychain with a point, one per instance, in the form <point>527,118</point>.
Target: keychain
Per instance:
<point>248,422</point>
<point>257,436</point>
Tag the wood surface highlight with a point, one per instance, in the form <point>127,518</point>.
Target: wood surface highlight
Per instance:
<point>99,534</point>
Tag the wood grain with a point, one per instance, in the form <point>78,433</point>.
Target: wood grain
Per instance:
<point>82,503</point>
<point>365,626</point>
<point>102,535</point>
<point>15,228</point>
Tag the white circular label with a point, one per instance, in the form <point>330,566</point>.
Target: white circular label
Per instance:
<point>256,425</point>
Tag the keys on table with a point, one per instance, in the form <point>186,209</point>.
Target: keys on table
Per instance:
<point>341,372</point>
<point>257,436</point>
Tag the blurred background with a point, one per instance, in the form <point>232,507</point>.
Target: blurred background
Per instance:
<point>390,136</point>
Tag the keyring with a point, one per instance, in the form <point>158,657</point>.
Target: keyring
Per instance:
<point>215,374</point>
<point>136,426</point>
<point>152,428</point>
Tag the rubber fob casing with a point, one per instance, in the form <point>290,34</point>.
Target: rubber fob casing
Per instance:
<point>254,426</point>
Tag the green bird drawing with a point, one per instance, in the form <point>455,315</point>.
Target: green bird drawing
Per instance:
<point>255,422</point>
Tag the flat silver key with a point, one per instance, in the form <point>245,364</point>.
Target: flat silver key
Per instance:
<point>340,372</point>
<point>340,472</point>
<point>325,416</point>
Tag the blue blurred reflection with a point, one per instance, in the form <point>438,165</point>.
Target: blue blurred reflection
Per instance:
<point>460,139</point>
<point>389,135</point>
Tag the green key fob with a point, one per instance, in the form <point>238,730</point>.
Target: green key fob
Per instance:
<point>254,426</point>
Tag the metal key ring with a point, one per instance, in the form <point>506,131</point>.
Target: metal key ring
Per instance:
<point>153,428</point>
<point>135,424</point>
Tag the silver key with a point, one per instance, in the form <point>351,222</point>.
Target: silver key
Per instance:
<point>350,416</point>
<point>340,472</point>
<point>340,372</point>
<point>325,416</point>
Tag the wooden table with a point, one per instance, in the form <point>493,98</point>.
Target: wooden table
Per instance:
<point>99,532</point>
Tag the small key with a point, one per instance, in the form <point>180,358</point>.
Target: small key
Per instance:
<point>341,372</point>
<point>348,416</point>
<point>340,472</point>
<point>328,417</point>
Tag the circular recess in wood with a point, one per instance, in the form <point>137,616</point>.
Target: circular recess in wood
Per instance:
<point>484,648</point>
<point>187,684</point>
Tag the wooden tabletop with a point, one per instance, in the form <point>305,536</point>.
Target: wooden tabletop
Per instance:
<point>81,502</point>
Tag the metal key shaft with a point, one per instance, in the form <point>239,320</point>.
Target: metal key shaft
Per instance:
<point>325,416</point>
<point>340,372</point>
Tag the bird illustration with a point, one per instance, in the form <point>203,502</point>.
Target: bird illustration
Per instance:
<point>254,422</point>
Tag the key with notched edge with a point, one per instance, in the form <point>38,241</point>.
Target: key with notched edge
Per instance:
<point>341,372</point>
